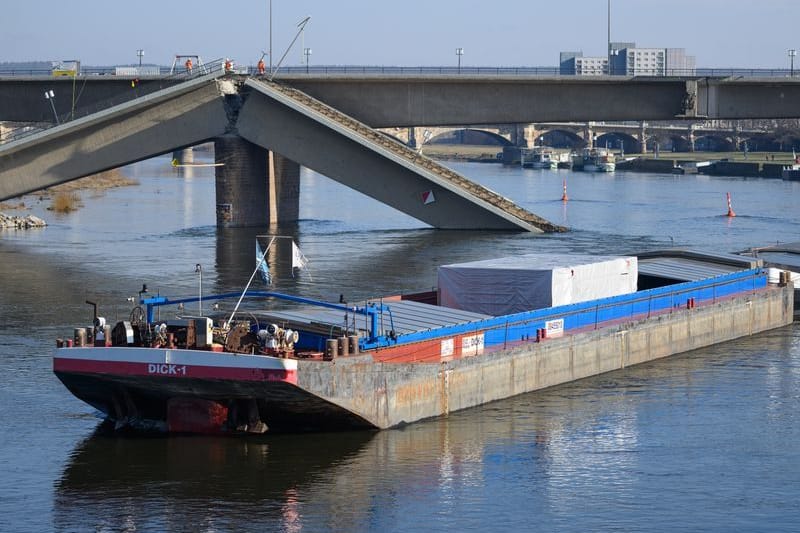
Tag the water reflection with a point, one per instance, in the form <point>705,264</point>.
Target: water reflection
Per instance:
<point>713,433</point>
<point>113,483</point>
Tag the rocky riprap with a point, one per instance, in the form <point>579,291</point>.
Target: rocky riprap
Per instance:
<point>18,222</point>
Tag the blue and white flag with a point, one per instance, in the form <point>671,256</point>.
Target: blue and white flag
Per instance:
<point>262,266</point>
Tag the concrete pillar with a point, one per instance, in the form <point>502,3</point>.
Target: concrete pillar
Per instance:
<point>413,136</point>
<point>183,156</point>
<point>284,186</point>
<point>737,136</point>
<point>529,135</point>
<point>588,135</point>
<point>241,183</point>
<point>643,137</point>
<point>254,186</point>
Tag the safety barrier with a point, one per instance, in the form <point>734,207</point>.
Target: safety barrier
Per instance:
<point>153,85</point>
<point>531,326</point>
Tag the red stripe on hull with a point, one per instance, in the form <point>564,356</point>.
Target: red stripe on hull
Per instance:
<point>173,370</point>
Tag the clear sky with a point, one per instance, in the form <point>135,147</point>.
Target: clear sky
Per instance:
<point>719,33</point>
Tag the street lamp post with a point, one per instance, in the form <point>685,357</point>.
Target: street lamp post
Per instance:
<point>51,97</point>
<point>608,49</point>
<point>270,37</point>
<point>307,53</point>
<point>792,52</point>
<point>459,53</point>
<point>198,269</point>
<point>140,55</point>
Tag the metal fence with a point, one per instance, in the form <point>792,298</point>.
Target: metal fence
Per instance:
<point>388,70</point>
<point>153,85</point>
<point>533,326</point>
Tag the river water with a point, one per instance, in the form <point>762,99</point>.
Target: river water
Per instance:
<point>708,440</point>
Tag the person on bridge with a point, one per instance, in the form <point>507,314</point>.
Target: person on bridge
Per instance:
<point>188,65</point>
<point>261,67</point>
<point>228,65</point>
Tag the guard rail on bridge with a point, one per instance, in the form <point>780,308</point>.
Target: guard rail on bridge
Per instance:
<point>387,70</point>
<point>20,132</point>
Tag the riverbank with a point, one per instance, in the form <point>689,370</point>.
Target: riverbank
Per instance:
<point>63,198</point>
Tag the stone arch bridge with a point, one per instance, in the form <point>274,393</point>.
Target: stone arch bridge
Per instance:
<point>634,137</point>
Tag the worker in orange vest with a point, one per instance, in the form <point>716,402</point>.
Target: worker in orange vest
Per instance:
<point>261,67</point>
<point>188,65</point>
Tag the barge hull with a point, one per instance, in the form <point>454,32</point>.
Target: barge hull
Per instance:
<point>392,394</point>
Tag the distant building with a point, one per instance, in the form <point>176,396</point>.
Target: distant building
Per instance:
<point>628,60</point>
<point>573,63</point>
<point>679,64</point>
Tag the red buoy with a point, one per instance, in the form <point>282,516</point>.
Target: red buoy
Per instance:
<point>730,209</point>
<point>564,196</point>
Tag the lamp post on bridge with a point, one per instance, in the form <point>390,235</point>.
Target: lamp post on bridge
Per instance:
<point>792,52</point>
<point>459,53</point>
<point>307,53</point>
<point>140,55</point>
<point>51,97</point>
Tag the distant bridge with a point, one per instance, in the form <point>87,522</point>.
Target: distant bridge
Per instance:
<point>636,137</point>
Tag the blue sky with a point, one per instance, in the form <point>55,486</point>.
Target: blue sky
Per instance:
<point>720,33</point>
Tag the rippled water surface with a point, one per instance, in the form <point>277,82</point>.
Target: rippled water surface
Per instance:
<point>702,441</point>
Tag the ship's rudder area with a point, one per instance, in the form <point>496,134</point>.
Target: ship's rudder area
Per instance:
<point>217,406</point>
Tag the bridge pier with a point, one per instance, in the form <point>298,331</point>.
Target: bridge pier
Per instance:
<point>254,186</point>
<point>588,135</point>
<point>412,138</point>
<point>642,137</point>
<point>528,137</point>
<point>184,156</point>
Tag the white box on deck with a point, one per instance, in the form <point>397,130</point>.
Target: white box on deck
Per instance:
<point>534,281</point>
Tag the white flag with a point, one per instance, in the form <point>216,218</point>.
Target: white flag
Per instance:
<point>262,266</point>
<point>298,259</point>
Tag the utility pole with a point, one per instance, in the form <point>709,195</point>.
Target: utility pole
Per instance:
<point>270,37</point>
<point>608,50</point>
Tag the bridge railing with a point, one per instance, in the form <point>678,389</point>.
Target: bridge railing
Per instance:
<point>389,70</point>
<point>137,91</point>
<point>521,71</point>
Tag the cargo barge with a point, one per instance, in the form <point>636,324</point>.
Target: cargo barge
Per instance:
<point>315,365</point>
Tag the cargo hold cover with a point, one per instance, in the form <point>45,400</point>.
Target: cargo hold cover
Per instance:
<point>534,281</point>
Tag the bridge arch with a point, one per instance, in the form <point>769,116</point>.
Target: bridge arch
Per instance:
<point>560,138</point>
<point>617,140</point>
<point>714,143</point>
<point>470,136</point>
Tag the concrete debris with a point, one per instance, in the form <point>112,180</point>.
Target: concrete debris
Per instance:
<point>17,222</point>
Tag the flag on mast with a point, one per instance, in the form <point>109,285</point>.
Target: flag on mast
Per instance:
<point>262,266</point>
<point>298,259</point>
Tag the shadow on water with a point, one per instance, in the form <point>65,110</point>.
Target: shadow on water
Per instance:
<point>113,481</point>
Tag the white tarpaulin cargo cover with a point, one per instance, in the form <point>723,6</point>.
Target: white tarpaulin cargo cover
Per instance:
<point>534,281</point>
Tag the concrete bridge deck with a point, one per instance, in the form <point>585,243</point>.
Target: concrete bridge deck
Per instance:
<point>276,118</point>
<point>180,116</point>
<point>384,169</point>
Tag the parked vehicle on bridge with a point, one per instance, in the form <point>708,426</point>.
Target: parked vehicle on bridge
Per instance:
<point>68,67</point>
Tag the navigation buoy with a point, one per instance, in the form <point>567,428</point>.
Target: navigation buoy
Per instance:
<point>564,196</point>
<point>730,209</point>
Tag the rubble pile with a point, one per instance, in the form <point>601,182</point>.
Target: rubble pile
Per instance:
<point>19,222</point>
